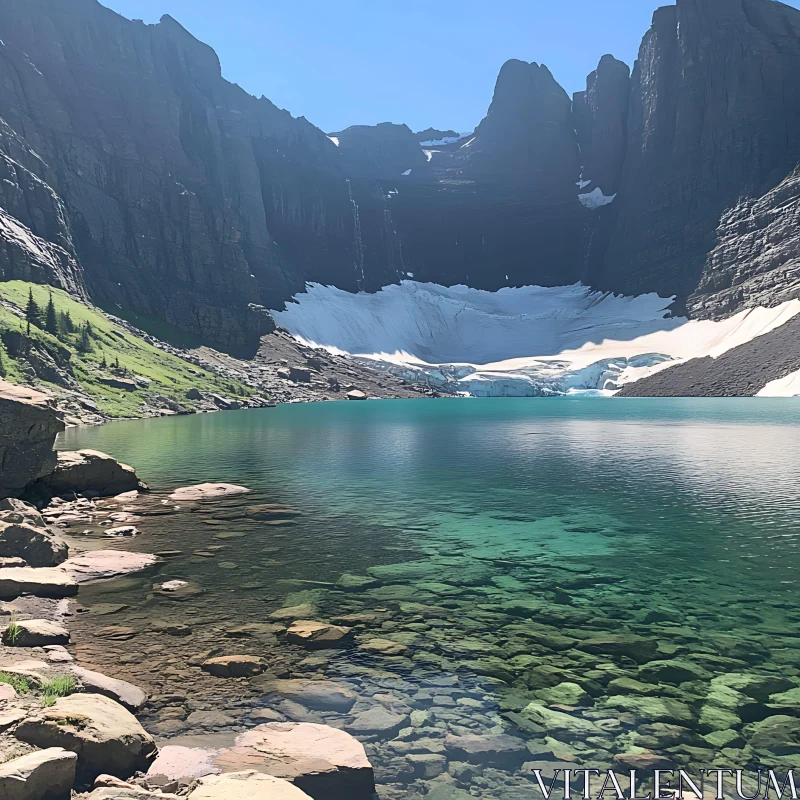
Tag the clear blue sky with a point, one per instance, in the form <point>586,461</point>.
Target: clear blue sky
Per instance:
<point>422,62</point>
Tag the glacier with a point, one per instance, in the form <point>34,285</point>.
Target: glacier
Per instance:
<point>528,341</point>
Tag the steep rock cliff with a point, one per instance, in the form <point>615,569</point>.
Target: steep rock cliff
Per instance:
<point>714,117</point>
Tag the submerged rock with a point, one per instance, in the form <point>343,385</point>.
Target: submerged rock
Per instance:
<point>234,666</point>
<point>99,564</point>
<point>318,635</point>
<point>316,695</point>
<point>498,750</point>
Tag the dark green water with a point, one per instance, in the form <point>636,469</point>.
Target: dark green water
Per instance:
<point>535,526</point>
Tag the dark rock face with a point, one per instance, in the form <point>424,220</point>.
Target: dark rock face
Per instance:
<point>528,136</point>
<point>28,428</point>
<point>177,184</point>
<point>741,372</point>
<point>601,122</point>
<point>380,151</point>
<point>714,116</point>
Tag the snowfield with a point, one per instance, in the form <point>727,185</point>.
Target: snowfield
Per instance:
<point>517,342</point>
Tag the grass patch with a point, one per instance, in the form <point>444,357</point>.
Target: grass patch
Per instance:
<point>12,633</point>
<point>108,350</point>
<point>18,682</point>
<point>57,686</point>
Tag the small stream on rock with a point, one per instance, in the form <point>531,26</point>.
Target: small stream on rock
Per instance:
<point>530,583</point>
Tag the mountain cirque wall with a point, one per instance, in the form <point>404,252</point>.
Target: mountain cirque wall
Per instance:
<point>176,184</point>
<point>132,172</point>
<point>714,120</point>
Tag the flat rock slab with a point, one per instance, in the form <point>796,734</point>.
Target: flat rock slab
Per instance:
<point>35,633</point>
<point>43,582</point>
<point>176,761</point>
<point>102,564</point>
<point>378,720</point>
<point>107,738</point>
<point>42,774</point>
<point>326,763</point>
<point>246,786</point>
<point>208,491</point>
<point>124,693</point>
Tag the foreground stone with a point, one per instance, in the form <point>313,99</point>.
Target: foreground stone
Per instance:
<point>106,737</point>
<point>246,786</point>
<point>124,693</point>
<point>88,471</point>
<point>326,763</point>
<point>42,775</point>
<point>101,564</point>
<point>35,633</point>
<point>234,666</point>
<point>176,762</point>
<point>207,491</point>
<point>35,545</point>
<point>44,582</point>
<point>28,428</point>
<point>318,635</point>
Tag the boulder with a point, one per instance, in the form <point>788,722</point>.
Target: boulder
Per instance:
<point>89,471</point>
<point>300,374</point>
<point>207,491</point>
<point>35,545</point>
<point>378,720</point>
<point>326,763</point>
<point>106,737</point>
<point>124,693</point>
<point>43,582</point>
<point>356,394</point>
<point>41,775</point>
<point>28,428</point>
<point>316,695</point>
<point>101,564</point>
<point>318,635</point>
<point>383,647</point>
<point>234,666</point>
<point>13,510</point>
<point>674,671</point>
<point>246,786</point>
<point>35,633</point>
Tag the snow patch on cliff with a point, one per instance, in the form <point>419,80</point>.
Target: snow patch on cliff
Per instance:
<point>596,199</point>
<point>522,341</point>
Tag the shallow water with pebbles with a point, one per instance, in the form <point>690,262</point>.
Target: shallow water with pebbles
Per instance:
<point>529,583</point>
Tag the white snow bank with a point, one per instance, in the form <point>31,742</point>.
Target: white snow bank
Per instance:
<point>523,341</point>
<point>335,140</point>
<point>429,153</point>
<point>783,387</point>
<point>596,198</point>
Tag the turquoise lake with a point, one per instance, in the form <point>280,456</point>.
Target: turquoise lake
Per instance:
<point>597,579</point>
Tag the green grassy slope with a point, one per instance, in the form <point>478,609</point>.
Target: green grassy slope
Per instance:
<point>169,375</point>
